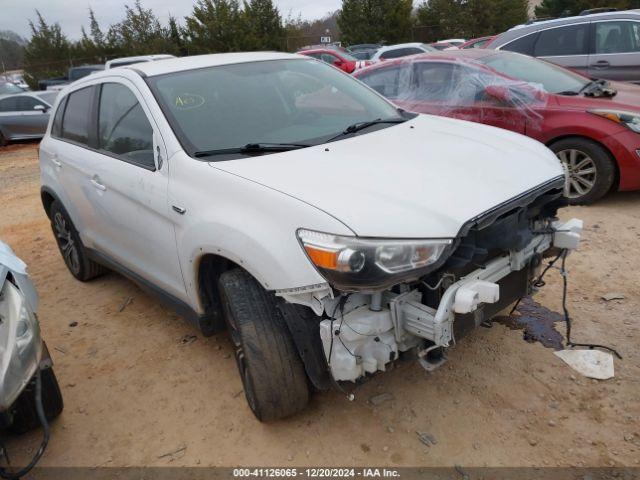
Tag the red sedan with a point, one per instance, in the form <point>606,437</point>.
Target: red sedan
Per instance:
<point>593,126</point>
<point>338,58</point>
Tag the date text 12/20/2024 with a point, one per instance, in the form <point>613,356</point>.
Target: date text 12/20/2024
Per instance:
<point>315,472</point>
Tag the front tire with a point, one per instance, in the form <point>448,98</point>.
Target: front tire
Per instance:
<point>24,411</point>
<point>3,140</point>
<point>73,253</point>
<point>273,376</point>
<point>591,169</point>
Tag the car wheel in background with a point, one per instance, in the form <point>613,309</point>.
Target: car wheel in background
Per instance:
<point>73,252</point>
<point>273,376</point>
<point>590,167</point>
<point>24,411</point>
<point>3,141</point>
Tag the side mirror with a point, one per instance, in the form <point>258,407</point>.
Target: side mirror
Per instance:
<point>498,92</point>
<point>40,108</point>
<point>337,63</point>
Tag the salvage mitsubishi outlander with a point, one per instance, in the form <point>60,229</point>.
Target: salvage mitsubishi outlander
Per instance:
<point>329,231</point>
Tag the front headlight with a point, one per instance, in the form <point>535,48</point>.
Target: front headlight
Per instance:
<point>630,120</point>
<point>369,264</point>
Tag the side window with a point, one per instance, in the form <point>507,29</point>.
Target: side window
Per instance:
<point>569,40</point>
<point>617,37</point>
<point>446,82</point>
<point>397,53</point>
<point>56,128</point>
<point>9,105</point>
<point>328,58</point>
<point>522,45</point>
<point>27,104</point>
<point>77,116</point>
<point>123,127</point>
<point>384,81</point>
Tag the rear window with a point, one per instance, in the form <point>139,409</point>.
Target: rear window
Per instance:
<point>75,125</point>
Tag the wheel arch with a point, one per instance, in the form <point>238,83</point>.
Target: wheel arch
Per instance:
<point>616,180</point>
<point>48,196</point>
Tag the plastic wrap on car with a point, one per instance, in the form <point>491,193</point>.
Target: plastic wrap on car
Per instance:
<point>458,88</point>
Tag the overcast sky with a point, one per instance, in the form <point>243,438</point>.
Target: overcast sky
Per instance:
<point>72,14</point>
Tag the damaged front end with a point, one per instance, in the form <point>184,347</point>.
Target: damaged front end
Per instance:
<point>21,346</point>
<point>457,285</point>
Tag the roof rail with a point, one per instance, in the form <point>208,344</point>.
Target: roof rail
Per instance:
<point>598,10</point>
<point>542,19</point>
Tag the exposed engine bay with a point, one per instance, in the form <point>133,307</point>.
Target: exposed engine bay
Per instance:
<point>492,264</point>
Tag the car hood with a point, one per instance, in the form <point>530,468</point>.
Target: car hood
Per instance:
<point>627,98</point>
<point>421,179</point>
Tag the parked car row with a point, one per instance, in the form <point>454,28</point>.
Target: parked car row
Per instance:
<point>592,126</point>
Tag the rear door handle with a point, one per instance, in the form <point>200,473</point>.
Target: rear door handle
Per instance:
<point>600,64</point>
<point>180,210</point>
<point>55,161</point>
<point>95,181</point>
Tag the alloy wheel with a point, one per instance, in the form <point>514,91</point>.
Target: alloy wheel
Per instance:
<point>582,171</point>
<point>66,243</point>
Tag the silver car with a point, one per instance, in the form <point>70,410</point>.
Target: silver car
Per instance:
<point>24,115</point>
<point>601,45</point>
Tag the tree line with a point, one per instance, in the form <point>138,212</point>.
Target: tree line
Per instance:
<point>231,25</point>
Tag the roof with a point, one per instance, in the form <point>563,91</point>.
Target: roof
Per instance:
<point>525,29</point>
<point>401,45</point>
<point>171,65</point>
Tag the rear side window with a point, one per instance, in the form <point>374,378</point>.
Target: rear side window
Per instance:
<point>123,127</point>
<point>77,116</point>
<point>617,37</point>
<point>400,52</point>
<point>56,128</point>
<point>9,105</point>
<point>522,45</point>
<point>569,40</point>
<point>384,81</point>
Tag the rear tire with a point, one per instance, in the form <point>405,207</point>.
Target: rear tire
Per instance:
<point>71,248</point>
<point>3,141</point>
<point>592,171</point>
<point>273,376</point>
<point>24,412</point>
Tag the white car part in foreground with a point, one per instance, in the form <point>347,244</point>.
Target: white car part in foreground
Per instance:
<point>20,342</point>
<point>360,338</point>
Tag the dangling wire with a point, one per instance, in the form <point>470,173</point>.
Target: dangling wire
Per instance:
<point>567,317</point>
<point>4,474</point>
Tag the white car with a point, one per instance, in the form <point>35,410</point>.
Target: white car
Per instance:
<point>401,50</point>
<point>124,61</point>
<point>329,230</point>
<point>455,42</point>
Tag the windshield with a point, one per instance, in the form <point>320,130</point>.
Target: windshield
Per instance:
<point>554,79</point>
<point>6,87</point>
<point>279,101</point>
<point>49,97</point>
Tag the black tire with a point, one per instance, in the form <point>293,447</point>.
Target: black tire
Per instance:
<point>273,376</point>
<point>598,160</point>
<point>3,141</point>
<point>23,411</point>
<point>73,252</point>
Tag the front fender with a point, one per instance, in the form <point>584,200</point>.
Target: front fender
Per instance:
<point>248,223</point>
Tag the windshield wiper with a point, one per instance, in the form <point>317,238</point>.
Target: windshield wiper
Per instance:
<point>252,148</point>
<point>356,127</point>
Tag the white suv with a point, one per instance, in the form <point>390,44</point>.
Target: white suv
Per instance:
<point>329,230</point>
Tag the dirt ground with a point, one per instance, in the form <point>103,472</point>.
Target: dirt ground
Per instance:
<point>137,394</point>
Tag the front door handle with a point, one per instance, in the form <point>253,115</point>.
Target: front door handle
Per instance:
<point>180,210</point>
<point>95,181</point>
<point>601,64</point>
<point>55,161</point>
